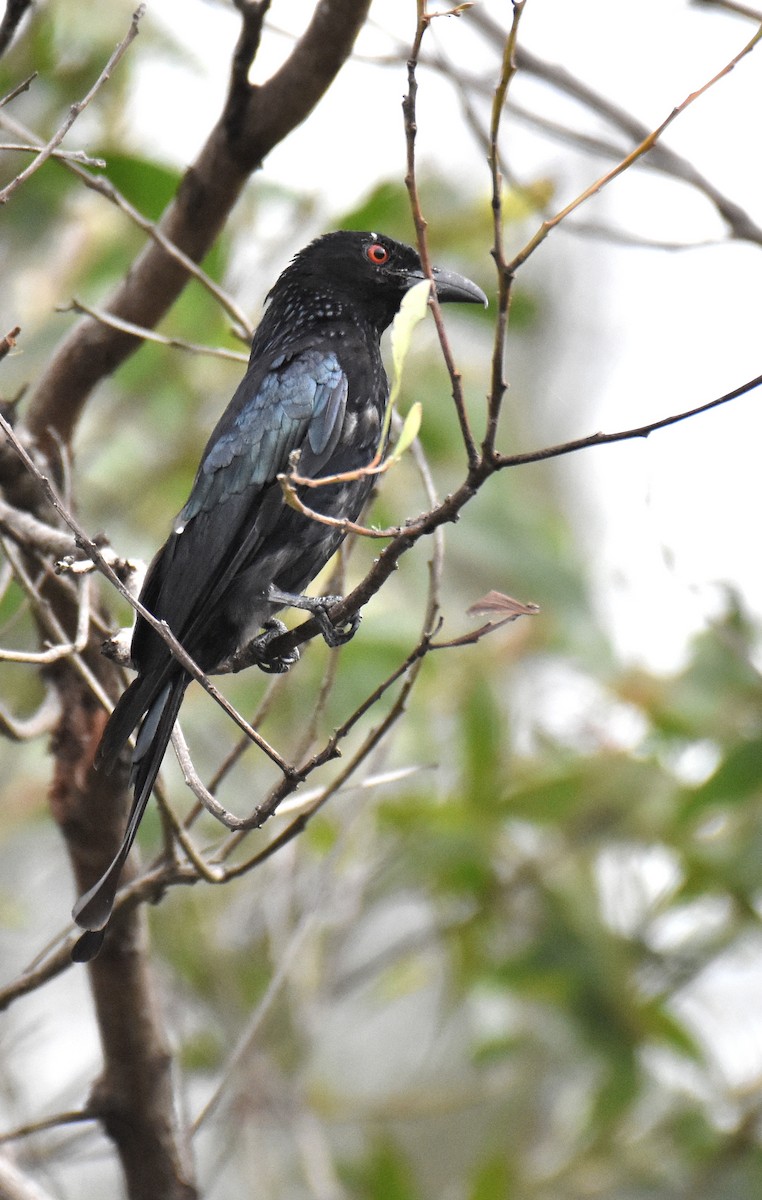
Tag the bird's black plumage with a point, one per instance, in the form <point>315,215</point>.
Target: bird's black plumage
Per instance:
<point>315,383</point>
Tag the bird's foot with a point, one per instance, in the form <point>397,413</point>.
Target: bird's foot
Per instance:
<point>334,635</point>
<point>317,607</point>
<point>257,650</point>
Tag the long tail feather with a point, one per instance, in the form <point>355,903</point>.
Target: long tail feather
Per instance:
<point>92,911</point>
<point>131,706</point>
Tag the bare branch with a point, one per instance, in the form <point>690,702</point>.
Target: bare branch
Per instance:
<point>287,483</point>
<point>202,794</point>
<point>504,274</point>
<point>624,435</point>
<point>94,553</point>
<point>253,122</point>
<point>77,1117</point>
<point>19,729</point>
<point>643,148</point>
<point>30,532</point>
<point>150,335</point>
<point>411,129</point>
<point>18,89</point>
<point>75,110</point>
<point>74,156</point>
<point>104,187</point>
<point>733,6</point>
<point>660,156</point>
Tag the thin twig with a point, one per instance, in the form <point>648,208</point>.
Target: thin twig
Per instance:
<point>411,183</point>
<point>732,6</point>
<point>643,148</point>
<point>76,109</point>
<point>76,1117</point>
<point>24,729</point>
<point>150,335</point>
<point>55,630</point>
<point>623,435</point>
<point>660,157</point>
<point>93,552</point>
<point>104,187</point>
<point>18,89</point>
<point>504,275</point>
<point>289,491</point>
<point>75,156</point>
<point>202,794</point>
<point>411,130</point>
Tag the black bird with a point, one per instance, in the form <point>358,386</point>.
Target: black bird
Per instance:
<point>238,553</point>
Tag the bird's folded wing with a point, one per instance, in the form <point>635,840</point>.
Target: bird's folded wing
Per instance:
<point>302,397</point>
<point>235,502</point>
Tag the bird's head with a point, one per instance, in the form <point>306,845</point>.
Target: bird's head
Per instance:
<point>369,272</point>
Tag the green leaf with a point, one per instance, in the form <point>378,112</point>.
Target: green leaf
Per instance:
<point>737,778</point>
<point>385,1175</point>
<point>492,1181</point>
<point>409,431</point>
<point>147,184</point>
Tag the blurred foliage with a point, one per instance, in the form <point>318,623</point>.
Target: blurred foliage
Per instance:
<point>508,963</point>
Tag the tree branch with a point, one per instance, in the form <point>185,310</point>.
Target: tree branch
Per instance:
<point>660,157</point>
<point>255,119</point>
<point>623,435</point>
<point>644,147</point>
<point>75,110</point>
<point>419,221</point>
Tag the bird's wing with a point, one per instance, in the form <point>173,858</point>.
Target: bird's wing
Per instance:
<point>299,402</point>
<point>301,398</point>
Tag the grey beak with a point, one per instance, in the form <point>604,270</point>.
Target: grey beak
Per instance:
<point>456,289</point>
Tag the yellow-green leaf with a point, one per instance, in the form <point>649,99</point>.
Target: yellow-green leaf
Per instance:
<point>409,431</point>
<point>412,310</point>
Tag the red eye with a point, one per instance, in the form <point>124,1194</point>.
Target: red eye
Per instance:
<point>377,254</point>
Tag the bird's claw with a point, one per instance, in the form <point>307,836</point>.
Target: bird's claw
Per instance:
<point>317,607</point>
<point>259,649</point>
<point>335,635</point>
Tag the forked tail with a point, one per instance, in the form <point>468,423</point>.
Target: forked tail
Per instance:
<point>92,911</point>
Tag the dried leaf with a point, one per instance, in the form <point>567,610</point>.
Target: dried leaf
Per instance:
<point>8,343</point>
<point>497,604</point>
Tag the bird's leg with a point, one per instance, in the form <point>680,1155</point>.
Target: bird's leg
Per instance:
<point>318,607</point>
